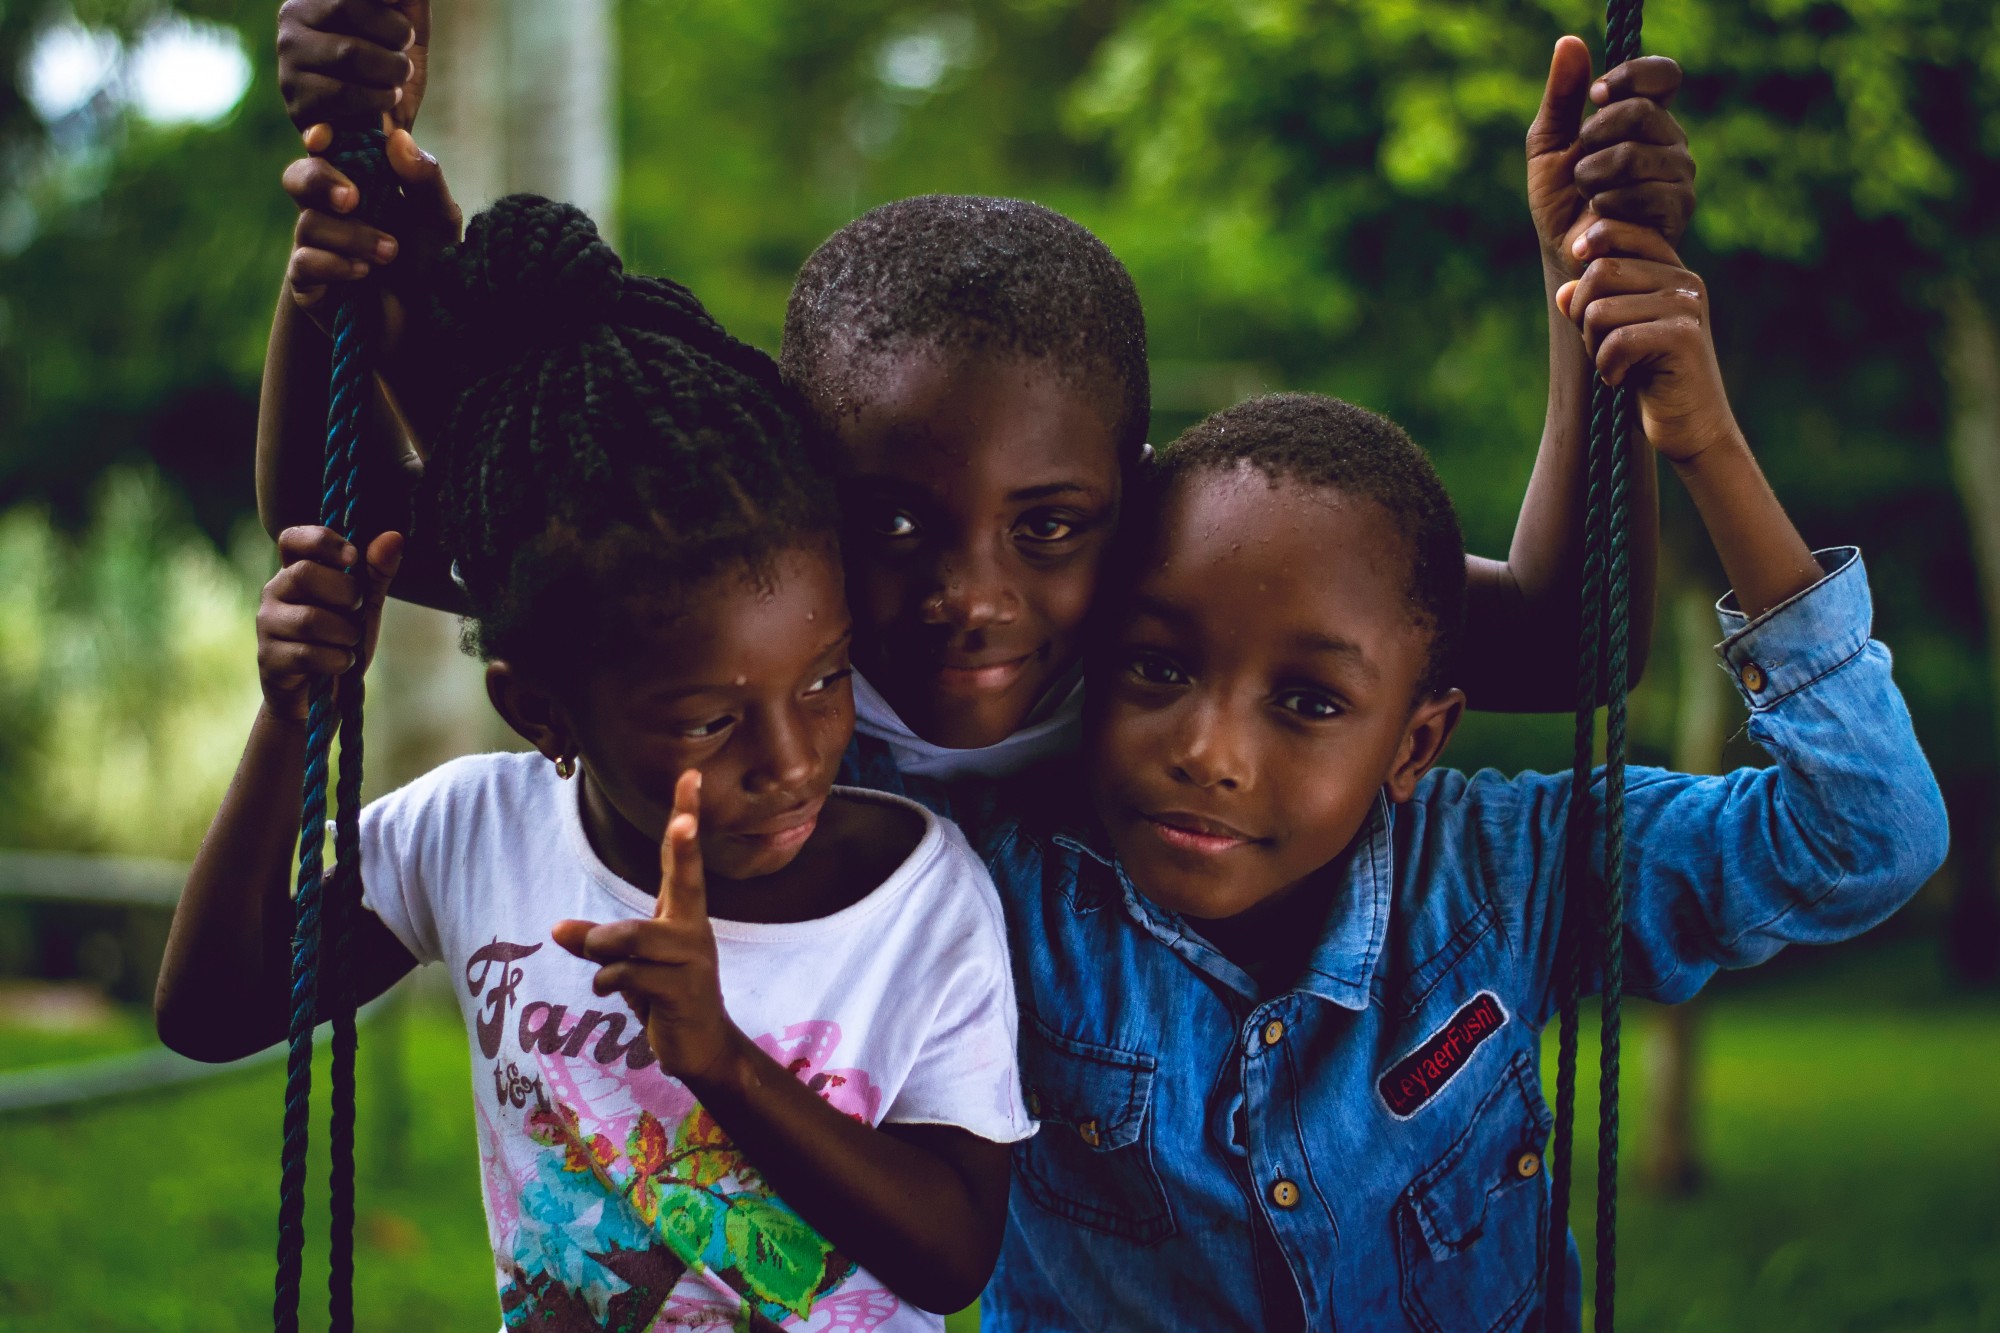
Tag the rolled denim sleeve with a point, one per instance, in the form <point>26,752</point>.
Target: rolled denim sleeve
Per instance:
<point>1840,831</point>
<point>1845,826</point>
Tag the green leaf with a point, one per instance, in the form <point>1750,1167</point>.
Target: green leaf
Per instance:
<point>779,1254</point>
<point>687,1224</point>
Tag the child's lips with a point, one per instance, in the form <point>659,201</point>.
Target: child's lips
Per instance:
<point>981,675</point>
<point>1196,833</point>
<point>783,832</point>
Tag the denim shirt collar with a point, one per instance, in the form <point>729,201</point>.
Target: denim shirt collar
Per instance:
<point>1342,965</point>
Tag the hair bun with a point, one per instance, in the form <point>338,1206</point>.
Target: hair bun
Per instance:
<point>528,269</point>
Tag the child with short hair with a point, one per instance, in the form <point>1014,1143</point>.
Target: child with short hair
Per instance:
<point>794,1111</point>
<point>1282,981</point>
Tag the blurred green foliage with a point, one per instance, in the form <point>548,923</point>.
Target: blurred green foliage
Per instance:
<point>127,672</point>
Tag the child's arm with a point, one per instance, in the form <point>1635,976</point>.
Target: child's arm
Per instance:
<point>330,250</point>
<point>1848,821</point>
<point>225,982</point>
<point>1628,162</point>
<point>919,1206</point>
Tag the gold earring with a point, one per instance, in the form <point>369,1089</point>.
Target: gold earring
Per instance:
<point>565,767</point>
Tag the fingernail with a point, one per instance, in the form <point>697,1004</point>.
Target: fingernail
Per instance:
<point>399,95</point>
<point>1581,246</point>
<point>427,156</point>
<point>357,269</point>
<point>385,249</point>
<point>1600,89</point>
<point>409,39</point>
<point>345,197</point>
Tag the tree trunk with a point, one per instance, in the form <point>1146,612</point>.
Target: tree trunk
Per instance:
<point>521,97</point>
<point>1673,1160</point>
<point>1972,370</point>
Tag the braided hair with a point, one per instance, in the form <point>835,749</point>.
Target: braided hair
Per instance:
<point>1312,440</point>
<point>964,273</point>
<point>610,444</point>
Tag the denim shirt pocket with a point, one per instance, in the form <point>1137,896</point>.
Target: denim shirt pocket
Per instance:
<point>1092,1161</point>
<point>1470,1229</point>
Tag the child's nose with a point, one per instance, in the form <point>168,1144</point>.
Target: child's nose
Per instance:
<point>786,758</point>
<point>1206,754</point>
<point>970,592</point>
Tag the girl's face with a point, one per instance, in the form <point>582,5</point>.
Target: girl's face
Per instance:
<point>748,682</point>
<point>980,495</point>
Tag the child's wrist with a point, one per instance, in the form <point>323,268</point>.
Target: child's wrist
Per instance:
<point>732,1078</point>
<point>1701,447</point>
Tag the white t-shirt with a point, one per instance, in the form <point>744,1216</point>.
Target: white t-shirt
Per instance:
<point>611,1197</point>
<point>1055,727</point>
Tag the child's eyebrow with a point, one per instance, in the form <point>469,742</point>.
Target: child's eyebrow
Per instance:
<point>724,687</point>
<point>1051,489</point>
<point>1312,641</point>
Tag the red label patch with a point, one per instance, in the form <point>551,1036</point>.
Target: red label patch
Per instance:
<point>1420,1075</point>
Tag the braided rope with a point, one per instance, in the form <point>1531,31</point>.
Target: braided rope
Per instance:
<point>1604,621</point>
<point>1576,859</point>
<point>317,974</point>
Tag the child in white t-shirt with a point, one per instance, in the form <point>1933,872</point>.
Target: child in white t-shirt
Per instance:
<point>792,1114</point>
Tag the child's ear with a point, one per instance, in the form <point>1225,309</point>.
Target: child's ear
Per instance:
<point>1431,723</point>
<point>534,713</point>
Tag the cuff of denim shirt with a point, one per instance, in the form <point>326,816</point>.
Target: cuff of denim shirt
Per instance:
<point>1801,639</point>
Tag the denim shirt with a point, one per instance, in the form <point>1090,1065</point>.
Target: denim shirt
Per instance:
<point>1364,1150</point>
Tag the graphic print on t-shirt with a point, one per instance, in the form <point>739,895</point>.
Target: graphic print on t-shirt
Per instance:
<point>630,1208</point>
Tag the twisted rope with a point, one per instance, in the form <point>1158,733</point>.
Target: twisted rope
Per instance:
<point>319,981</point>
<point>1576,860</point>
<point>1604,621</point>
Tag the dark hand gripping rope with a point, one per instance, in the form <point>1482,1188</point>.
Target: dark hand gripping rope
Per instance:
<point>1602,636</point>
<point>320,983</point>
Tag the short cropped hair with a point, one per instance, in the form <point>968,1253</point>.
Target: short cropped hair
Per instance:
<point>1313,440</point>
<point>963,273</point>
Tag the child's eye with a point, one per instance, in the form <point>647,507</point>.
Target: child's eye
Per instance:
<point>1156,669</point>
<point>829,680</point>
<point>1309,704</point>
<point>709,730</point>
<point>893,525</point>
<point>1047,527</point>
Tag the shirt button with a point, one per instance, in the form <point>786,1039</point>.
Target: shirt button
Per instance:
<point>1752,677</point>
<point>1527,1164</point>
<point>1285,1194</point>
<point>1087,1131</point>
<point>1274,1032</point>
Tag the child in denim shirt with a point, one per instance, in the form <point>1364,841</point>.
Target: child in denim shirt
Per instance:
<point>1282,982</point>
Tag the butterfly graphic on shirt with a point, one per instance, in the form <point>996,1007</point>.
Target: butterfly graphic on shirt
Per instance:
<point>631,1160</point>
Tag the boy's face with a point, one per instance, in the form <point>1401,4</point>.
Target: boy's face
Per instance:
<point>980,497</point>
<point>1259,691</point>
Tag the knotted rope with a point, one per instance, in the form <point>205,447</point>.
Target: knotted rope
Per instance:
<point>321,986</point>
<point>1601,662</point>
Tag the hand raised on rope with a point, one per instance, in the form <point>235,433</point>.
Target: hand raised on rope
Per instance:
<point>321,614</point>
<point>1644,318</point>
<point>350,60</point>
<point>666,967</point>
<point>1629,162</point>
<point>331,248</point>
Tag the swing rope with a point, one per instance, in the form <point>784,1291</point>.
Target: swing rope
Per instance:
<point>323,912</point>
<point>1602,661</point>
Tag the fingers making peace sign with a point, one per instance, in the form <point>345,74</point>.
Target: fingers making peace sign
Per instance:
<point>665,967</point>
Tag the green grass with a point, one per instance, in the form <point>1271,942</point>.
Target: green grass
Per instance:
<point>1850,1122</point>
